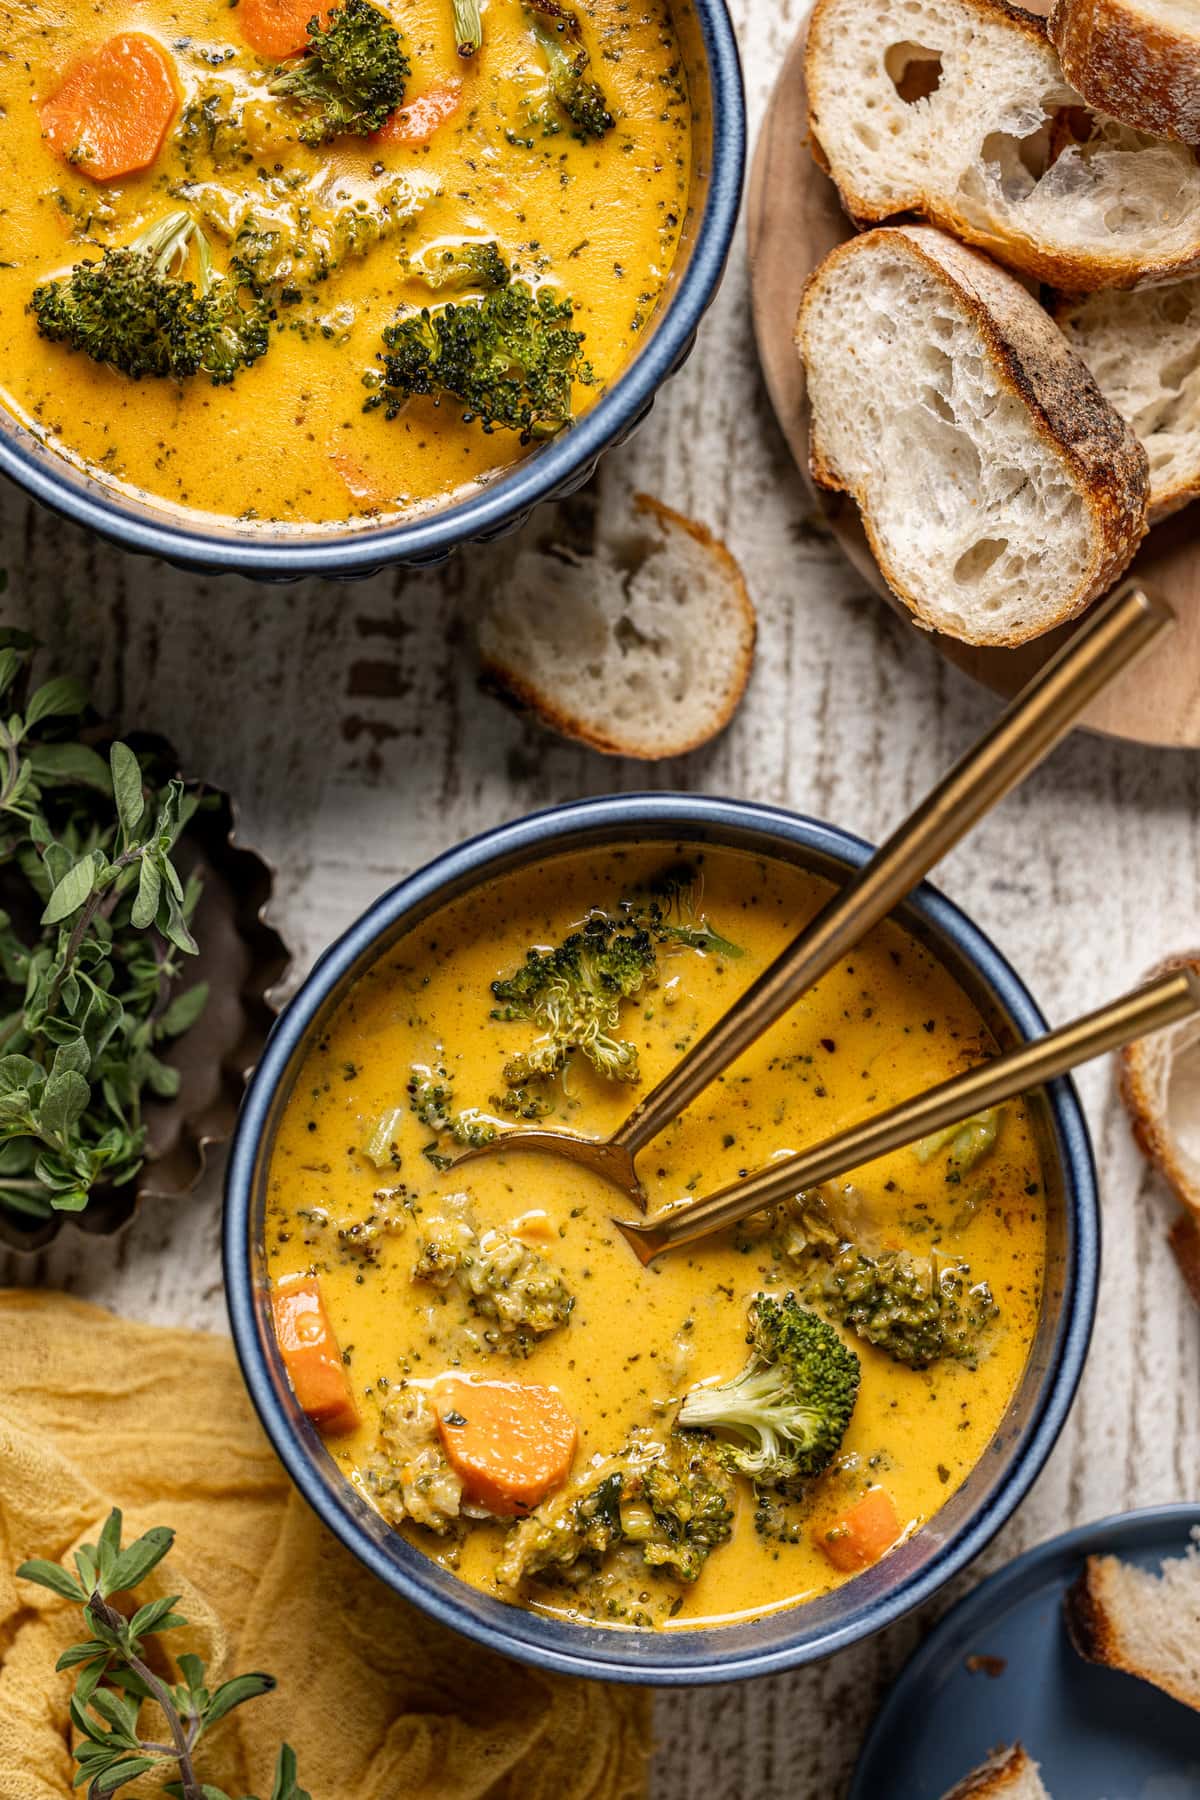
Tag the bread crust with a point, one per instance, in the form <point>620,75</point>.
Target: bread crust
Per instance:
<point>993,1777</point>
<point>1135,1067</point>
<point>1095,1635</point>
<point>515,689</point>
<point>1067,409</point>
<point>1067,269</point>
<point>1124,63</point>
<point>1184,1239</point>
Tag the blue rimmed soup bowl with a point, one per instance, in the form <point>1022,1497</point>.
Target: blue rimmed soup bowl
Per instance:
<point>710,55</point>
<point>911,1573</point>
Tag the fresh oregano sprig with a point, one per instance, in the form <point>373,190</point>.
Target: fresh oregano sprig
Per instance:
<point>115,1683</point>
<point>94,919</point>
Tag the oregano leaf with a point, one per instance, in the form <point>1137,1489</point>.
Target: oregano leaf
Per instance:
<point>54,699</point>
<point>69,894</point>
<point>127,789</point>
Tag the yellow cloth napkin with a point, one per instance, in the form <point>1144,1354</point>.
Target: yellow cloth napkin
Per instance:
<point>378,1701</point>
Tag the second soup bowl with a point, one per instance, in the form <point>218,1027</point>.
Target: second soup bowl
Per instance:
<point>918,1567</point>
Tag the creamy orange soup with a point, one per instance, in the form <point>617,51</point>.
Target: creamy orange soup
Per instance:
<point>288,443</point>
<point>354,1204</point>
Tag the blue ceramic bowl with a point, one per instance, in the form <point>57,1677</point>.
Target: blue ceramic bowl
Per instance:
<point>710,55</point>
<point>910,1574</point>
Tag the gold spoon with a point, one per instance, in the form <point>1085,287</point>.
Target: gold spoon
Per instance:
<point>1162,1002</point>
<point>1120,631</point>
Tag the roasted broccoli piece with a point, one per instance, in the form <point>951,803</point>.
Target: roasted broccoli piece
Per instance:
<point>407,1473</point>
<point>787,1412</point>
<point>352,76</point>
<point>432,1099</point>
<point>670,911</point>
<point>670,1504</point>
<point>468,27</point>
<point>575,993</point>
<point>457,267</point>
<point>519,1293</point>
<point>130,311</point>
<point>915,1312</point>
<point>582,99</point>
<point>510,358</point>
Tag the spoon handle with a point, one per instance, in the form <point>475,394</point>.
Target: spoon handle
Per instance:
<point>1118,632</point>
<point>1164,1001</point>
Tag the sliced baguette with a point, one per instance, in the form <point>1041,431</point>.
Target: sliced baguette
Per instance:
<point>993,143</point>
<point>1144,1624</point>
<point>1160,1085</point>
<point>1136,59</point>
<point>1144,350</point>
<point>1008,1774</point>
<point>641,647</point>
<point>999,490</point>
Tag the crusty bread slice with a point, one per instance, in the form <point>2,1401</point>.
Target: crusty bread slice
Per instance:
<point>1144,350</point>
<point>999,490</point>
<point>1184,1239</point>
<point>1144,1624</point>
<point>641,648</point>
<point>1160,1085</point>
<point>1136,59</point>
<point>959,110</point>
<point>1009,1774</point>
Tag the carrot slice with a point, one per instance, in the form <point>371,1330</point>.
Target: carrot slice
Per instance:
<point>413,125</point>
<point>112,111</point>
<point>278,28</point>
<point>312,1358</point>
<point>510,1443</point>
<point>862,1535</point>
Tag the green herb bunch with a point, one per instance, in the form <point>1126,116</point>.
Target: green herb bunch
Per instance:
<point>94,922</point>
<point>115,1682</point>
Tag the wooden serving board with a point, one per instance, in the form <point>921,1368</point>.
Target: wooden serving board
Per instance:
<point>794,220</point>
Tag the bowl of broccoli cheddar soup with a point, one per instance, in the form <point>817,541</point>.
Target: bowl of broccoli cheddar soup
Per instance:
<point>762,1446</point>
<point>289,290</point>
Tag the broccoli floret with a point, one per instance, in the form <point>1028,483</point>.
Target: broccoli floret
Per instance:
<point>670,912</point>
<point>528,1100</point>
<point>456,267</point>
<point>582,99</point>
<point>520,1294</point>
<point>287,238</point>
<point>574,993</point>
<point>129,311</point>
<point>670,1504</point>
<point>432,1099</point>
<point>408,1474</point>
<point>915,1312</point>
<point>468,27</point>
<point>353,73</point>
<point>510,357</point>
<point>788,1410</point>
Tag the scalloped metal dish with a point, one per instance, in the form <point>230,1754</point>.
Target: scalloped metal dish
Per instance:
<point>916,1569</point>
<point>556,469</point>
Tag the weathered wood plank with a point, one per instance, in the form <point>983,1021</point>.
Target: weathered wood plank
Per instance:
<point>348,722</point>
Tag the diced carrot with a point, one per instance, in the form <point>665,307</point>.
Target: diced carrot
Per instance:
<point>862,1535</point>
<point>278,28</point>
<point>358,483</point>
<point>112,111</point>
<point>311,1356</point>
<point>413,125</point>
<point>510,1443</point>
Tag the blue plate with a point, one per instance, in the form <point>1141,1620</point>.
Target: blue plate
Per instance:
<point>1097,1735</point>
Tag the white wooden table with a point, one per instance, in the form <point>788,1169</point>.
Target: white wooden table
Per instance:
<point>347,721</point>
